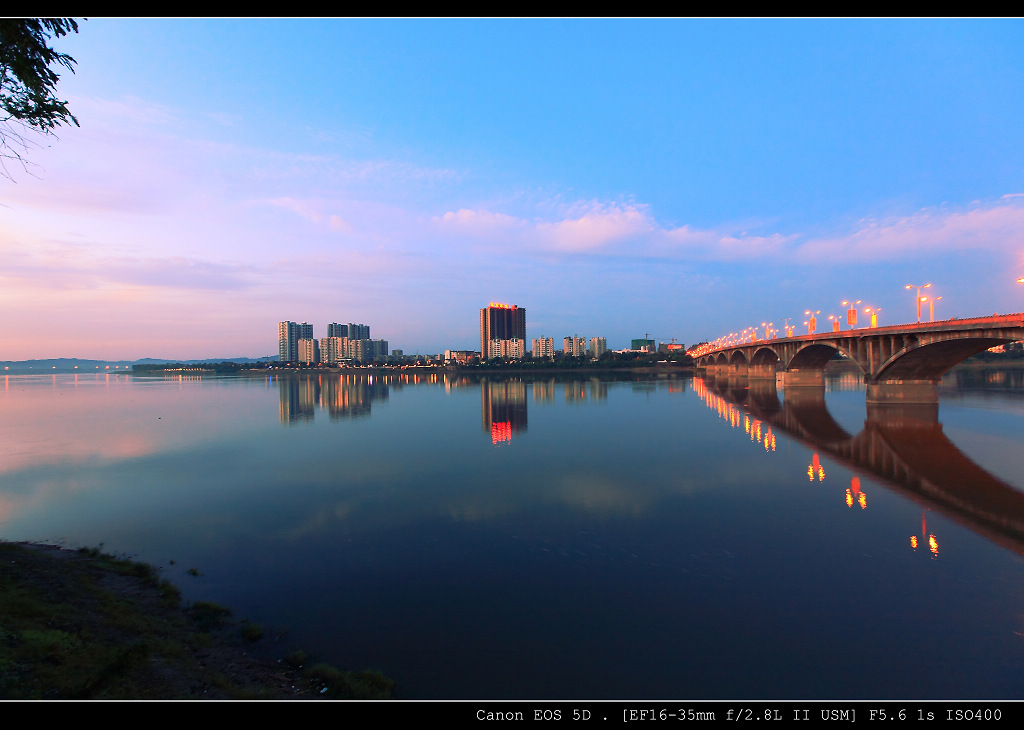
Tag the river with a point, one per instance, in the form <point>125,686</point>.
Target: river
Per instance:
<point>557,537</point>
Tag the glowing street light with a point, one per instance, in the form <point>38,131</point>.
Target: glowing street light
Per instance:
<point>851,312</point>
<point>931,307</point>
<point>874,314</point>
<point>919,300</point>
<point>812,323</point>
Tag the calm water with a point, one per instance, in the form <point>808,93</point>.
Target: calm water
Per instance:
<point>557,538</point>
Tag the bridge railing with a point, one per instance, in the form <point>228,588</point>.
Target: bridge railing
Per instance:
<point>940,326</point>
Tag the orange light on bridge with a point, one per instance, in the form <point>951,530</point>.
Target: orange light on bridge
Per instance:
<point>931,307</point>
<point>812,323</point>
<point>919,288</point>
<point>851,312</point>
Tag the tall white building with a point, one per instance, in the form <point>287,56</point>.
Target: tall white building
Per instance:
<point>309,351</point>
<point>574,346</point>
<point>287,342</point>
<point>288,336</point>
<point>543,347</point>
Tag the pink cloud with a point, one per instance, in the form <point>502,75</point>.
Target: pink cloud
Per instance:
<point>479,221</point>
<point>599,227</point>
<point>993,226</point>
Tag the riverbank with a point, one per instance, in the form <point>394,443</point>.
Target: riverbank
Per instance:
<point>79,624</point>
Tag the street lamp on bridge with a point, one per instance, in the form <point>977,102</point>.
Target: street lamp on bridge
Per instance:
<point>851,312</point>
<point>919,300</point>
<point>931,307</point>
<point>812,322</point>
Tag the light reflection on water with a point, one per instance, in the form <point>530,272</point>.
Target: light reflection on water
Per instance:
<point>553,537</point>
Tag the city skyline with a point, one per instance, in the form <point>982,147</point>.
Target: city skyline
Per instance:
<point>683,178</point>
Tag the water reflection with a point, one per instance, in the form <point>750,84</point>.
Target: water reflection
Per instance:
<point>342,395</point>
<point>503,409</point>
<point>901,447</point>
<point>628,544</point>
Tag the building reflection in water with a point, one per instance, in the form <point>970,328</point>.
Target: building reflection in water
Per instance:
<point>503,406</point>
<point>342,395</point>
<point>544,391</point>
<point>578,391</point>
<point>298,398</point>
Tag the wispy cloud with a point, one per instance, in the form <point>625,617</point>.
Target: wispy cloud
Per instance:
<point>993,226</point>
<point>596,228</point>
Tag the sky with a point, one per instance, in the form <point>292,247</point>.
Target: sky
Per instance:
<point>680,179</point>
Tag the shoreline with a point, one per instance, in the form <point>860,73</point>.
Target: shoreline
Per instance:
<point>81,624</point>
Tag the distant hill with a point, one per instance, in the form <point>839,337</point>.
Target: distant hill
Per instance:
<point>72,364</point>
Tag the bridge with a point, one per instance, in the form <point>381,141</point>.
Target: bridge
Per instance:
<point>901,363</point>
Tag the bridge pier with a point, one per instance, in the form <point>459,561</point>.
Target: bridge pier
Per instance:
<point>903,391</point>
<point>898,400</point>
<point>762,373</point>
<point>801,379</point>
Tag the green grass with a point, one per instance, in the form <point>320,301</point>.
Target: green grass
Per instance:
<point>251,631</point>
<point>333,683</point>
<point>94,626</point>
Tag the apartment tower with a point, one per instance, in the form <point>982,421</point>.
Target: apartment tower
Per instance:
<point>501,323</point>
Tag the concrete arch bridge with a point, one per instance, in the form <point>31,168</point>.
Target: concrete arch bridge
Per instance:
<point>901,363</point>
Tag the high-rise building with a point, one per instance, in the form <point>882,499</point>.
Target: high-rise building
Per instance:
<point>643,345</point>
<point>358,331</point>
<point>287,342</point>
<point>332,349</point>
<point>375,350</point>
<point>309,351</point>
<point>574,347</point>
<point>501,322</point>
<point>543,347</point>
<point>337,330</point>
<point>598,346</point>
<point>288,336</point>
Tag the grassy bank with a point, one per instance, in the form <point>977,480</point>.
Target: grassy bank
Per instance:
<point>80,624</point>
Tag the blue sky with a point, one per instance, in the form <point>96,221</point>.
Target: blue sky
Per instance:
<point>683,178</point>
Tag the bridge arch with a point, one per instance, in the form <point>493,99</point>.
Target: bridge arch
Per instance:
<point>765,357</point>
<point>930,360</point>
<point>899,356</point>
<point>815,356</point>
<point>738,358</point>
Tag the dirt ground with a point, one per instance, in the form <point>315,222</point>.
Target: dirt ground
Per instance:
<point>77,624</point>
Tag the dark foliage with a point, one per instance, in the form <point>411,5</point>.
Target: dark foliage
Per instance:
<point>28,81</point>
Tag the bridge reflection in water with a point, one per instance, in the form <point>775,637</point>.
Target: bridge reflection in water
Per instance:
<point>901,446</point>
